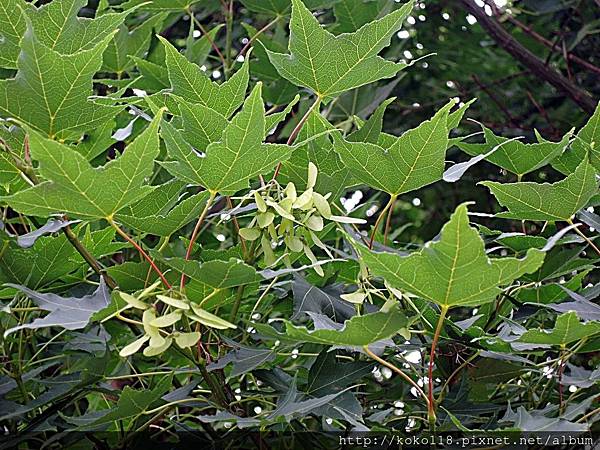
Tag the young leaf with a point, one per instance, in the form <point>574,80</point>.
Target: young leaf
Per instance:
<point>192,84</point>
<point>66,312</point>
<point>356,332</point>
<point>229,163</point>
<point>567,329</point>
<point>50,91</point>
<point>463,273</point>
<point>545,201</point>
<point>411,161</point>
<point>313,49</point>
<point>516,156</point>
<point>74,187</point>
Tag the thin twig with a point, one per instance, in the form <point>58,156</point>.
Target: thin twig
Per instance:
<point>496,100</point>
<point>587,239</point>
<point>258,33</point>
<point>552,45</point>
<point>526,58</point>
<point>208,38</point>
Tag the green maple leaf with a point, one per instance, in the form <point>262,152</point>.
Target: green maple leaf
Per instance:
<point>159,5</point>
<point>164,210</point>
<point>546,201</point>
<point>329,64</point>
<point>588,139</point>
<point>53,257</point>
<point>567,329</point>
<point>515,156</point>
<point>586,142</point>
<point>191,83</point>
<point>126,45</point>
<point>203,125</point>
<point>282,7</point>
<point>352,14</point>
<point>229,163</point>
<point>50,91</point>
<point>75,188</point>
<point>355,332</point>
<point>13,28</point>
<point>454,271</point>
<point>216,273</point>
<point>134,403</point>
<point>406,163</point>
<point>57,26</point>
<point>268,7</point>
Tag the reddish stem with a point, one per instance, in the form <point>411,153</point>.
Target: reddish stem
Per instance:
<point>195,234</point>
<point>436,337</point>
<point>297,129</point>
<point>141,250</point>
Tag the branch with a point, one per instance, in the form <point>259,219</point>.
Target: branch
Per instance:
<point>542,40</point>
<point>497,101</point>
<point>528,59</point>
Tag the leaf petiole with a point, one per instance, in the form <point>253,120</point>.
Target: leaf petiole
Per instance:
<point>436,337</point>
<point>398,371</point>
<point>388,206</point>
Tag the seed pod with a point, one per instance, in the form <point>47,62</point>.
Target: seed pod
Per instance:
<point>184,340</point>
<point>265,219</point>
<point>314,223</point>
<point>322,205</point>
<point>134,347</point>
<point>312,176</point>
<point>293,243</point>
<point>166,320</point>
<point>260,203</point>
<point>154,351</point>
<point>356,297</point>
<point>133,301</point>
<point>250,234</point>
<point>176,303</point>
